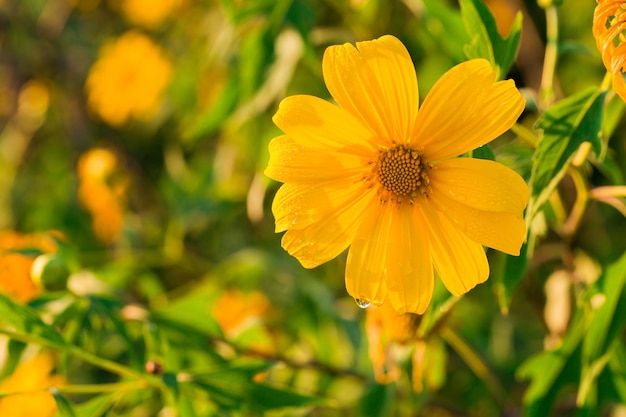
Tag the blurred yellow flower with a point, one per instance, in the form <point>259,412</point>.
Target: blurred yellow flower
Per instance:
<point>15,267</point>
<point>30,383</point>
<point>148,13</point>
<point>128,79</point>
<point>102,191</point>
<point>385,328</point>
<point>609,21</point>
<point>375,175</point>
<point>392,337</point>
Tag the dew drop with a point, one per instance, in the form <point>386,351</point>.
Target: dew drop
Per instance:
<point>363,302</point>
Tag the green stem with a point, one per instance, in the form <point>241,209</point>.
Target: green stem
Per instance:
<point>606,81</point>
<point>546,92</point>
<point>85,388</point>
<point>475,363</point>
<point>580,205</point>
<point>525,134</point>
<point>101,363</point>
<point>608,191</point>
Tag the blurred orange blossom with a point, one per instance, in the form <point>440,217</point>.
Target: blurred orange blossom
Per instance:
<point>15,267</point>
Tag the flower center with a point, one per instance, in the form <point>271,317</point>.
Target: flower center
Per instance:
<point>402,174</point>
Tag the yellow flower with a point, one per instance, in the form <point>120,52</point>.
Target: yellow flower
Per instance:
<point>128,79</point>
<point>148,13</point>
<point>378,176</point>
<point>30,382</point>
<point>609,22</point>
<point>15,267</point>
<point>102,192</point>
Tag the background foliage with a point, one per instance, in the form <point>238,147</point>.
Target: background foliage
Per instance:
<point>139,270</point>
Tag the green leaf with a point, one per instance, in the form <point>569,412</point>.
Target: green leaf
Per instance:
<point>440,17</point>
<point>565,126</point>
<point>64,406</point>
<point>550,371</point>
<point>265,397</point>
<point>617,369</point>
<point>376,401</point>
<point>232,387</point>
<point>25,319</point>
<point>483,152</point>
<point>485,41</point>
<point>207,122</point>
<point>606,325</point>
<point>15,348</point>
<point>95,407</point>
<point>182,403</point>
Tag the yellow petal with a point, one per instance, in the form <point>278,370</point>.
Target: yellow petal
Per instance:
<point>498,230</point>
<point>410,281</point>
<point>465,109</point>
<point>316,123</point>
<point>390,258</point>
<point>375,82</point>
<point>460,262</point>
<point>619,85</point>
<point>294,163</point>
<point>321,220</point>
<point>297,206</point>
<point>485,185</point>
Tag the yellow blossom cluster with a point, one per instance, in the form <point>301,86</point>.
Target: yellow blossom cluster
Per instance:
<point>128,79</point>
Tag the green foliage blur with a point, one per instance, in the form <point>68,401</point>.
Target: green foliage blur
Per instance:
<point>163,289</point>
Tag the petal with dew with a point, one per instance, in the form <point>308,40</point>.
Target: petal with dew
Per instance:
<point>460,262</point>
<point>316,123</point>
<point>324,226</point>
<point>294,163</point>
<point>482,184</point>
<point>498,230</point>
<point>376,82</point>
<point>465,109</point>
<point>389,258</point>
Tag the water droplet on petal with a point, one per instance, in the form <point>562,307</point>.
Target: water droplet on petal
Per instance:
<point>363,302</point>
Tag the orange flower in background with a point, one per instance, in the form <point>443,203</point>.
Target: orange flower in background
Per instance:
<point>235,310</point>
<point>30,383</point>
<point>102,191</point>
<point>385,328</point>
<point>15,267</point>
<point>241,316</point>
<point>128,79</point>
<point>609,22</point>
<point>392,338</point>
<point>375,175</point>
